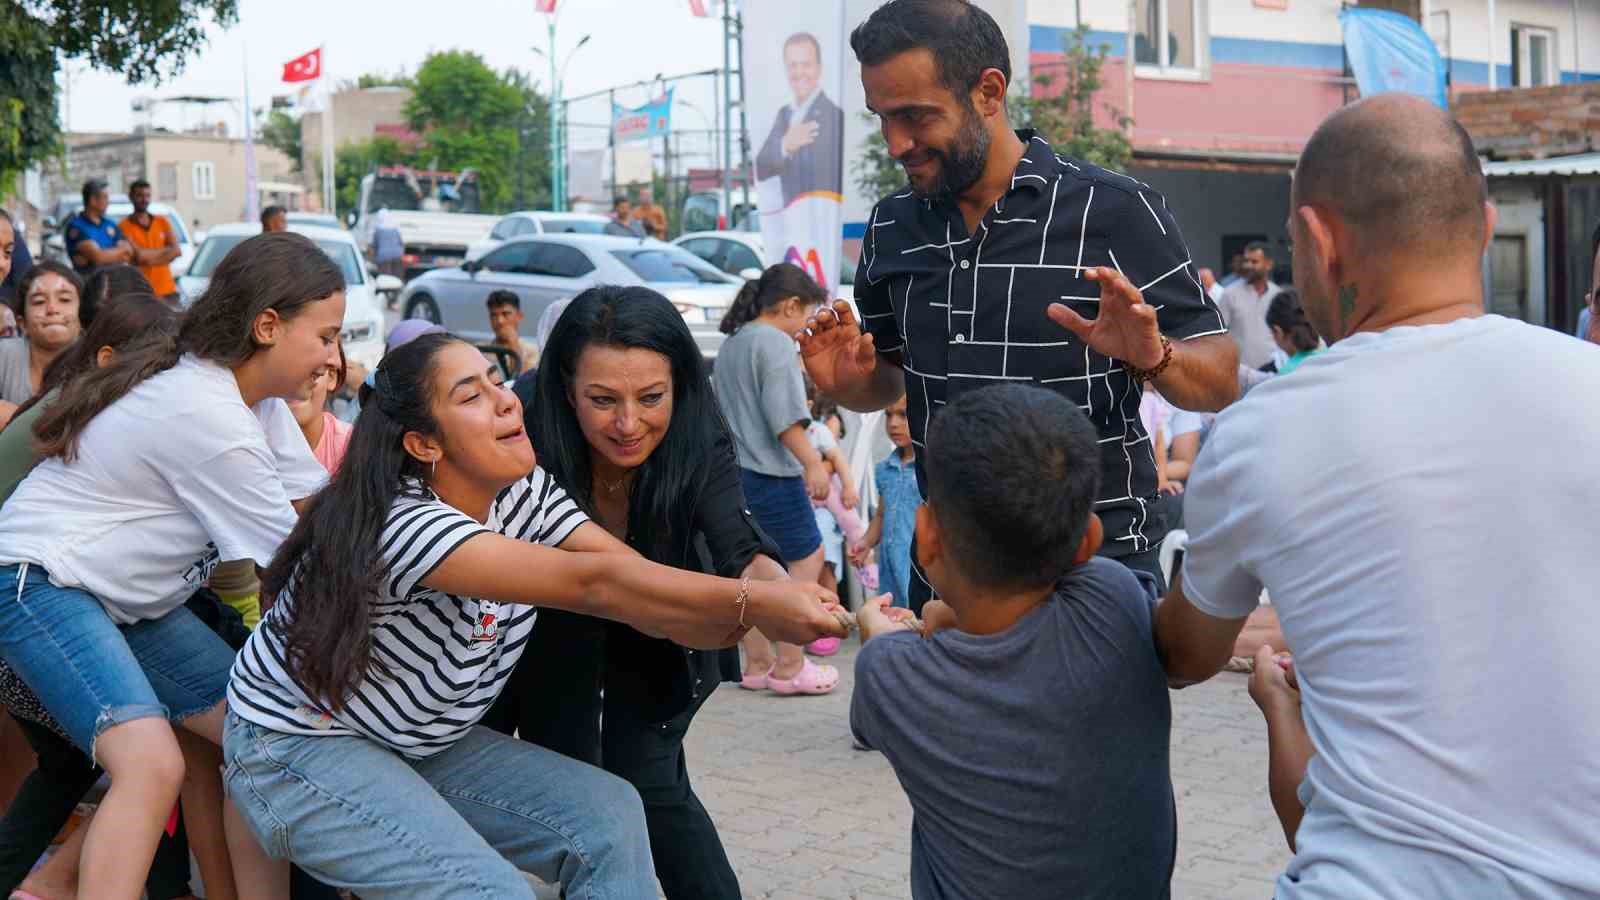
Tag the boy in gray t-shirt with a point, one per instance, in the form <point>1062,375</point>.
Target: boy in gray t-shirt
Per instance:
<point>1031,731</point>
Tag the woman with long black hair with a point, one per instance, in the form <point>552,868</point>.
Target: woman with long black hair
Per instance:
<point>404,598</point>
<point>624,418</point>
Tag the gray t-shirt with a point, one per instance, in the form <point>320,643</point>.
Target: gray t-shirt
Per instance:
<point>1245,311</point>
<point>1036,760</point>
<point>15,385</point>
<point>763,393</point>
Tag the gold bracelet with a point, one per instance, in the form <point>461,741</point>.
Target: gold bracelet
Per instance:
<point>743,600</point>
<point>1143,375</point>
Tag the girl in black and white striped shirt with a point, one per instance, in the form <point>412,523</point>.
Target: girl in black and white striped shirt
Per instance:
<point>404,598</point>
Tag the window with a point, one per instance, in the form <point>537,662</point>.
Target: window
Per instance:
<point>669,264</point>
<point>560,262</point>
<point>705,248</point>
<point>167,182</point>
<point>504,228</point>
<point>205,180</point>
<point>1533,56</point>
<point>1178,21</point>
<point>512,258</point>
<point>740,258</point>
<point>525,227</point>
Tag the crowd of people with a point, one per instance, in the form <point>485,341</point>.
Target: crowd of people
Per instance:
<point>417,631</point>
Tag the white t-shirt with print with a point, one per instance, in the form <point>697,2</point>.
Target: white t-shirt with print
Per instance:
<point>448,657</point>
<point>1420,504</point>
<point>168,481</point>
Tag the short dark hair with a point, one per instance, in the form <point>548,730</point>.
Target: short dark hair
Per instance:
<point>140,183</point>
<point>503,297</point>
<point>270,212</point>
<point>618,200</point>
<point>91,187</point>
<point>1259,245</point>
<point>805,37</point>
<point>963,39</point>
<point>1013,473</point>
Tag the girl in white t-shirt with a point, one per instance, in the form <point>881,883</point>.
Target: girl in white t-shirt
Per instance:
<point>405,597</point>
<point>174,456</point>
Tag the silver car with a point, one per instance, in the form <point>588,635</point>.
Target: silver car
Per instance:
<point>541,270</point>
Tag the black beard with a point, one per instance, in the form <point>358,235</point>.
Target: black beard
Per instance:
<point>962,164</point>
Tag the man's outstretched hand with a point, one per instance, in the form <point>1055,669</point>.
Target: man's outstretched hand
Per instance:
<point>837,354</point>
<point>1126,326</point>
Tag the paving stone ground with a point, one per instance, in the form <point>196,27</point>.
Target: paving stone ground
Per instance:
<point>805,817</point>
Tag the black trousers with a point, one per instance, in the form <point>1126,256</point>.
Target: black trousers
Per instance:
<point>554,700</point>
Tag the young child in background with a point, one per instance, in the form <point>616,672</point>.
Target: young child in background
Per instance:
<point>328,435</point>
<point>836,515</point>
<point>1030,729</point>
<point>895,520</point>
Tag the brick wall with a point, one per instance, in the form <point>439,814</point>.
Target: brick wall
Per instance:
<point>1532,123</point>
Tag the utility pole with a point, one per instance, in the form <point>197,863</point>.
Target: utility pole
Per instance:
<point>727,106</point>
<point>557,195</point>
<point>611,139</point>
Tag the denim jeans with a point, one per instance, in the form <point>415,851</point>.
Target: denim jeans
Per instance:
<point>459,823</point>
<point>91,674</point>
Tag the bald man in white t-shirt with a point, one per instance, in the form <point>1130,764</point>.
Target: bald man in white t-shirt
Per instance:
<point>1417,500</point>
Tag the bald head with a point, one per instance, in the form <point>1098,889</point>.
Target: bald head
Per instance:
<point>1398,172</point>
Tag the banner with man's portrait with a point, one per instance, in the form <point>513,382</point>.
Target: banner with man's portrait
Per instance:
<point>793,81</point>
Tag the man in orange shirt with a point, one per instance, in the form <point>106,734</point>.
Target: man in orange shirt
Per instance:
<point>154,243</point>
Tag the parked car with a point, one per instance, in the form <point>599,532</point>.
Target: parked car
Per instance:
<point>323,220</point>
<point>741,252</point>
<point>186,241</point>
<point>551,267</point>
<point>527,224</point>
<point>53,245</point>
<point>363,294</point>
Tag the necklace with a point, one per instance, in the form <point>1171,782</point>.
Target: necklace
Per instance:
<point>613,487</point>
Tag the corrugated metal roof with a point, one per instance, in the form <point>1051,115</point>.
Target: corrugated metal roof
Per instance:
<point>1579,164</point>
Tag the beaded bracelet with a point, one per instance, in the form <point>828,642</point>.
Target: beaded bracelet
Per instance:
<point>1143,375</point>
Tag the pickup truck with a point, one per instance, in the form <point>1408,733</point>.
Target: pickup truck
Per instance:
<point>436,213</point>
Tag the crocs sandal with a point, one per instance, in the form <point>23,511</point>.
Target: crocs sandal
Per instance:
<point>827,646</point>
<point>811,679</point>
<point>756,682</point>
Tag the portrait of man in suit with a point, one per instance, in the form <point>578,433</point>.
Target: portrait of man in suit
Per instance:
<point>805,149</point>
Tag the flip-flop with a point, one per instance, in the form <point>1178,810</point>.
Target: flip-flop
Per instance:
<point>811,679</point>
<point>756,682</point>
<point>827,646</point>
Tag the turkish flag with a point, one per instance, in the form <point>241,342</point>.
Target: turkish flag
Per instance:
<point>544,6</point>
<point>304,68</point>
<point>701,8</point>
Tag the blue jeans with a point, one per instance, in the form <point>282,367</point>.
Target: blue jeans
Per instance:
<point>459,823</point>
<point>91,674</point>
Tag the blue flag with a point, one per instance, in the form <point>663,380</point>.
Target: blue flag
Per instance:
<point>1390,52</point>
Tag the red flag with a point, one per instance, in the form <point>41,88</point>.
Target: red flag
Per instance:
<point>304,68</point>
<point>544,6</point>
<point>701,8</point>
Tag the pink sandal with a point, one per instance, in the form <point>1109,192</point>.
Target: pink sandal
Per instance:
<point>811,679</point>
<point>756,682</point>
<point>827,646</point>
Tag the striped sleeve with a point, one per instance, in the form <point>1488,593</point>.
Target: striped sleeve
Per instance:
<point>420,535</point>
<point>536,509</point>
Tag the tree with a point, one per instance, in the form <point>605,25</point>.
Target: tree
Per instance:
<point>143,40</point>
<point>353,161</point>
<point>1066,117</point>
<point>877,173</point>
<point>281,131</point>
<point>470,116</point>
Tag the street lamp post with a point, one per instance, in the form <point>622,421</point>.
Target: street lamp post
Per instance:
<point>558,174</point>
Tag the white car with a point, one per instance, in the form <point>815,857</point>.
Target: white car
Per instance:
<point>532,222</point>
<point>741,253</point>
<point>363,293</point>
<point>116,212</point>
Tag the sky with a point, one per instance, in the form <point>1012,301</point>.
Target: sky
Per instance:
<point>630,40</point>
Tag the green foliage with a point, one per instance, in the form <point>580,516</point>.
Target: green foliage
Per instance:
<point>1066,117</point>
<point>379,79</point>
<point>281,131</point>
<point>143,40</point>
<point>877,174</point>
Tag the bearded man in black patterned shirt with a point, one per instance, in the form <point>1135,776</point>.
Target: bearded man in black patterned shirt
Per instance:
<point>1002,261</point>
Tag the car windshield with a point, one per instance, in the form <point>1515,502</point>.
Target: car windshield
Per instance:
<point>218,246</point>
<point>669,264</point>
<point>562,225</point>
<point>396,192</point>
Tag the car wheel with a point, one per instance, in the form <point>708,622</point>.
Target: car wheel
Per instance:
<point>423,307</point>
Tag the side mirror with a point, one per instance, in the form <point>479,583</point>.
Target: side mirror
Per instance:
<point>50,223</point>
<point>750,274</point>
<point>471,266</point>
<point>350,219</point>
<point>388,284</point>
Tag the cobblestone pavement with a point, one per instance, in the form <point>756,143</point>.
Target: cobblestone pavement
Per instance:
<point>805,816</point>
